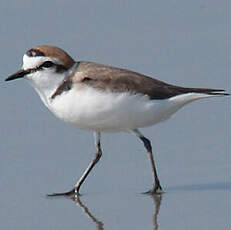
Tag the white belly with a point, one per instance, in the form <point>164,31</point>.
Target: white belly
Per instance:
<point>91,109</point>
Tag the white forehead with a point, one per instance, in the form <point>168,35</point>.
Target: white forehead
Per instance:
<point>33,62</point>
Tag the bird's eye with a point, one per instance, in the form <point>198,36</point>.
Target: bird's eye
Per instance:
<point>47,64</point>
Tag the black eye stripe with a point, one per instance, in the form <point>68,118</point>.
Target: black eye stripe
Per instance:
<point>47,64</point>
<point>61,68</point>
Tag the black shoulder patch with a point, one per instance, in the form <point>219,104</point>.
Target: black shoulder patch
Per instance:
<point>34,53</point>
<point>65,86</point>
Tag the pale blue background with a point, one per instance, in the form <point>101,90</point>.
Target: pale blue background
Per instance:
<point>182,42</point>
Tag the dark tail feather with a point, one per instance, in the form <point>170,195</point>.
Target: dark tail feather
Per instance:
<point>218,92</point>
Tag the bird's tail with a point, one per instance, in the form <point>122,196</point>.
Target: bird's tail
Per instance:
<point>212,92</point>
<point>191,94</point>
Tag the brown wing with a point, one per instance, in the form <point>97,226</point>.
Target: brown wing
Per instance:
<point>121,80</point>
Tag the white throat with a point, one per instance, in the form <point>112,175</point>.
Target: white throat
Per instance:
<point>47,86</point>
<point>44,81</point>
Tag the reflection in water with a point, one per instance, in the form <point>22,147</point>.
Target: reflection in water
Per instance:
<point>86,210</point>
<point>157,202</point>
<point>99,224</point>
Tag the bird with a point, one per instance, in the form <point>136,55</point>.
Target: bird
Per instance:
<point>101,98</point>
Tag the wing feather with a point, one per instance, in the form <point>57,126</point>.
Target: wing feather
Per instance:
<point>121,80</point>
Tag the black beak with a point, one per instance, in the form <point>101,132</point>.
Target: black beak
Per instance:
<point>20,74</point>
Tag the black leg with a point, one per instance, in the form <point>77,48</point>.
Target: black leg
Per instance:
<point>147,144</point>
<point>75,190</point>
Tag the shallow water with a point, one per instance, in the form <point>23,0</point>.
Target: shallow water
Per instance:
<point>178,208</point>
<point>196,196</point>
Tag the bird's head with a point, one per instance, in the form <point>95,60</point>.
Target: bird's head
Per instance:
<point>45,67</point>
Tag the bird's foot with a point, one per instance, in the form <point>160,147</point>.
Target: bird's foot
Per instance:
<point>157,190</point>
<point>73,192</point>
